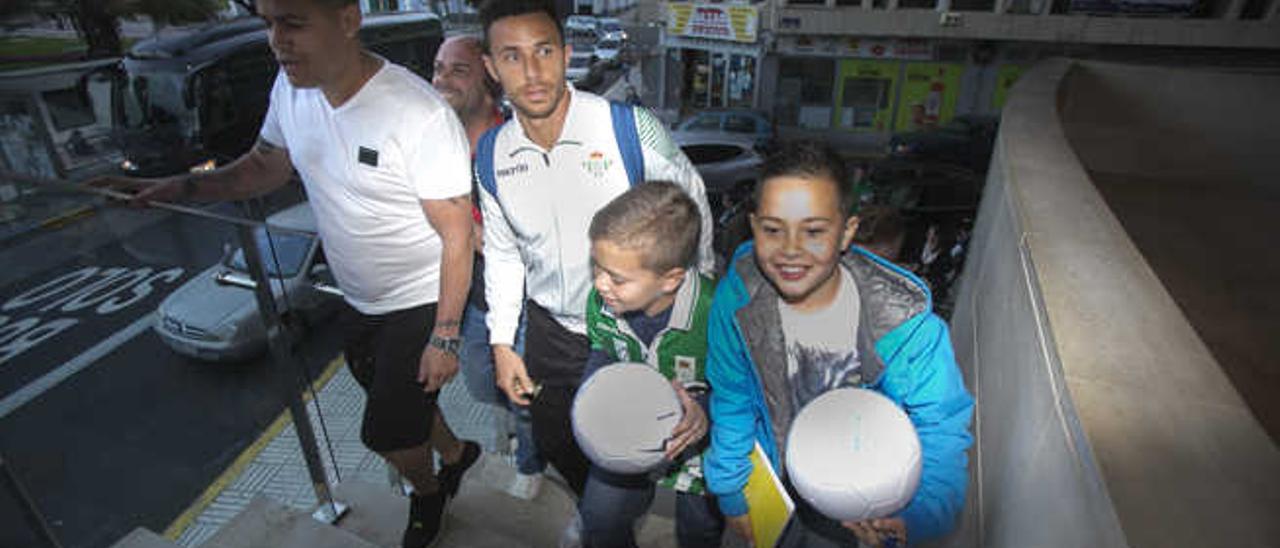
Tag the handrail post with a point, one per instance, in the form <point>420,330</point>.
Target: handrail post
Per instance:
<point>279,343</point>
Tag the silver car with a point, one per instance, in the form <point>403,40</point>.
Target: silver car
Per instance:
<point>726,161</point>
<point>580,64</point>
<point>213,320</point>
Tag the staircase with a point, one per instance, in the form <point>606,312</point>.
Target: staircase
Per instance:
<point>482,516</point>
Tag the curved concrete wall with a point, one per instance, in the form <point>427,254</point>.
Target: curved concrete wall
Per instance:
<point>1102,419</point>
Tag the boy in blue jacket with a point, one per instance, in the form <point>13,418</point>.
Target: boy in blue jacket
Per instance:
<point>801,312</point>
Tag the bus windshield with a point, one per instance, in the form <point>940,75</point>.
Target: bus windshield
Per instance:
<point>154,99</point>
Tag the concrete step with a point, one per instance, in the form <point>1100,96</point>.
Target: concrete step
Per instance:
<point>143,538</point>
<point>483,515</point>
<point>266,523</point>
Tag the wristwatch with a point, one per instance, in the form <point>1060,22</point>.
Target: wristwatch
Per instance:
<point>450,345</point>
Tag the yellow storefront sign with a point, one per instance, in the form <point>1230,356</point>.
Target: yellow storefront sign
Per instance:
<point>928,95</point>
<point>713,21</point>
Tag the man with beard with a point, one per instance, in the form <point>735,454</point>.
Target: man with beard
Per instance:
<point>548,171</point>
<point>460,76</point>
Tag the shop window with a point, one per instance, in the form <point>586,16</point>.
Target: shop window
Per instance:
<point>863,99</point>
<point>697,78</point>
<point>703,122</point>
<point>742,71</point>
<point>718,62</point>
<point>973,5</point>
<point>805,92</point>
<point>917,4</point>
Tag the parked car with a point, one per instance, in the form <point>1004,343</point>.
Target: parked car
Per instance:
<point>965,141</point>
<point>724,160</point>
<point>580,22</point>
<point>925,188</point>
<point>736,121</point>
<point>729,165</point>
<point>213,321</point>
<point>608,51</point>
<point>579,68</point>
<point>610,28</point>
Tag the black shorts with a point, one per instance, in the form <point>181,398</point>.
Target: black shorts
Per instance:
<point>553,355</point>
<point>383,352</point>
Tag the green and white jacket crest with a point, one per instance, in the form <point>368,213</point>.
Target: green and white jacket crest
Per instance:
<point>679,352</point>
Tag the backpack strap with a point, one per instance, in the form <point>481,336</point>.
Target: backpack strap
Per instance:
<point>484,160</point>
<point>628,138</point>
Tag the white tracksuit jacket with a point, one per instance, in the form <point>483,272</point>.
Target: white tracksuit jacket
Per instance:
<point>535,231</point>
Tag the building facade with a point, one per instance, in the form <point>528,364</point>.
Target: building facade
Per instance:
<point>865,69</point>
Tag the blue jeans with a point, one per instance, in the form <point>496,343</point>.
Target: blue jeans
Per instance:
<point>476,360</point>
<point>612,503</point>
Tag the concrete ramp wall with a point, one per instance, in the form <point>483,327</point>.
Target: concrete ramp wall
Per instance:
<point>1102,418</point>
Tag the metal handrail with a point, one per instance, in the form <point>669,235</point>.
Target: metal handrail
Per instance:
<point>278,339</point>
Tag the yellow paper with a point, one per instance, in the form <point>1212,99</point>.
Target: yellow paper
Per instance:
<point>768,503</point>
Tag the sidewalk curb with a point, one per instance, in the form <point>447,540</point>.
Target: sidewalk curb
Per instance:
<point>53,222</point>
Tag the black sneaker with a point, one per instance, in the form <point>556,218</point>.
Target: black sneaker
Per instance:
<point>426,513</point>
<point>450,475</point>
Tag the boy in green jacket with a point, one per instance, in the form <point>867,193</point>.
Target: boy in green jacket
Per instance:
<point>650,306</point>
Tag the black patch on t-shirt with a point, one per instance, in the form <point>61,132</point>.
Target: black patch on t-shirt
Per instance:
<point>368,156</point>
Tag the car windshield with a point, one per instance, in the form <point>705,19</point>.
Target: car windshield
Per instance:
<point>154,99</point>
<point>702,123</point>
<point>290,250</point>
<point>611,27</point>
<point>579,62</point>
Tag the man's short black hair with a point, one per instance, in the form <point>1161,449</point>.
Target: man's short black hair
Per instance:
<point>811,160</point>
<point>493,10</point>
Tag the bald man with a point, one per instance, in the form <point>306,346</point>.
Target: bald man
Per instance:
<point>460,76</point>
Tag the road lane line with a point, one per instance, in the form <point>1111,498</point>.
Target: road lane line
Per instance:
<point>38,387</point>
<point>246,457</point>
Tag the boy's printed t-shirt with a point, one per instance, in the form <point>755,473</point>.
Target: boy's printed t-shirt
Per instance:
<point>822,353</point>
<point>678,350</point>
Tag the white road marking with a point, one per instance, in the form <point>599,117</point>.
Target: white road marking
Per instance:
<point>36,388</point>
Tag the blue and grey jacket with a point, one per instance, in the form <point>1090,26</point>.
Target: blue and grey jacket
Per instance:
<point>906,355</point>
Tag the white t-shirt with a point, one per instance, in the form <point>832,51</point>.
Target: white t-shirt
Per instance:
<point>822,353</point>
<point>367,165</point>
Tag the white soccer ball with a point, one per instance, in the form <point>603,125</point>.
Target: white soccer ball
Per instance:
<point>854,455</point>
<point>623,415</point>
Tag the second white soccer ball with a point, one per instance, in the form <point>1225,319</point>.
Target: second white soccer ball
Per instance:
<point>854,455</point>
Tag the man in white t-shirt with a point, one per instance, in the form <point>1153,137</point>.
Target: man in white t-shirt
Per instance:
<point>386,167</point>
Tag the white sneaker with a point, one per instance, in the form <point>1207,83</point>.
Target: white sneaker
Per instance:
<point>525,486</point>
<point>572,535</point>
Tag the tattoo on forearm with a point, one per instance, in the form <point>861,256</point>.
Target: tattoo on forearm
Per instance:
<point>448,323</point>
